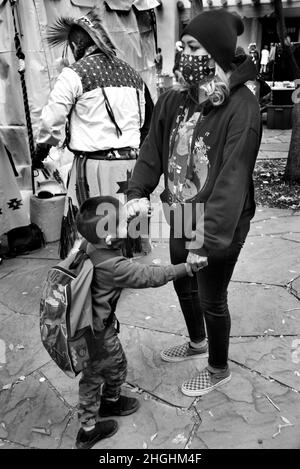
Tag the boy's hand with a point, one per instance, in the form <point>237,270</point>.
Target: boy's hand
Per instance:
<point>189,270</point>
<point>196,262</point>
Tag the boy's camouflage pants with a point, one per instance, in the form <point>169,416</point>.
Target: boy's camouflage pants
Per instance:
<point>107,372</point>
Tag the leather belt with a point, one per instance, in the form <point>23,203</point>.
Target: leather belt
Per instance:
<point>126,153</point>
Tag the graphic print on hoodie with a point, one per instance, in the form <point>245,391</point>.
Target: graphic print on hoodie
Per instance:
<point>188,168</point>
<point>229,136</point>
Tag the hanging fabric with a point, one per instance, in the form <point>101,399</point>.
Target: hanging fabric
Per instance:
<point>21,56</point>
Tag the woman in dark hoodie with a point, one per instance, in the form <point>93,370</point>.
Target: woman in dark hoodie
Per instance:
<point>204,139</point>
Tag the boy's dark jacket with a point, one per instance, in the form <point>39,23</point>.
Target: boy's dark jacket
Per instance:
<point>232,134</point>
<point>113,272</point>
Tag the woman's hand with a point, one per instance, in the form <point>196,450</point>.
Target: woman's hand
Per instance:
<point>136,207</point>
<point>196,262</point>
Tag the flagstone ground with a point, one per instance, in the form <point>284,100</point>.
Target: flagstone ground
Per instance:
<point>258,408</point>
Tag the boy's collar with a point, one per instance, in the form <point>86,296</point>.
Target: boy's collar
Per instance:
<point>103,246</point>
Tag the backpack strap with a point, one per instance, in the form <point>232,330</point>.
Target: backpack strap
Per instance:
<point>83,245</point>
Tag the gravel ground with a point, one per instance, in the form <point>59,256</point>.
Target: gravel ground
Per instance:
<point>270,189</point>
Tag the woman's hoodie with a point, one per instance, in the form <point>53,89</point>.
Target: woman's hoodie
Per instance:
<point>212,182</point>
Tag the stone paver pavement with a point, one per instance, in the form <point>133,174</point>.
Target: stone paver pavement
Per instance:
<point>258,408</point>
<point>274,144</point>
<point>38,402</point>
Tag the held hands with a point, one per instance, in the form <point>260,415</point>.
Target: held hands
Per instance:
<point>196,262</point>
<point>136,207</point>
<point>189,270</point>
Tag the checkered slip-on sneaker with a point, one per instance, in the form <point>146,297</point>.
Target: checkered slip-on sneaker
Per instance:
<point>178,353</point>
<point>204,382</point>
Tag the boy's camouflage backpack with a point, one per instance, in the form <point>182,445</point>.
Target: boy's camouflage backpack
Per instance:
<point>66,319</point>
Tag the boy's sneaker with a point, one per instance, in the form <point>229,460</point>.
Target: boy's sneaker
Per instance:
<point>123,406</point>
<point>105,429</point>
<point>178,353</point>
<point>205,382</point>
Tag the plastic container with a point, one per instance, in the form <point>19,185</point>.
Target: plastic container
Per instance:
<point>279,117</point>
<point>48,214</point>
<point>282,97</point>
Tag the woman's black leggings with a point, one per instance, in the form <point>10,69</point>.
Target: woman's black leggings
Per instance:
<point>203,298</point>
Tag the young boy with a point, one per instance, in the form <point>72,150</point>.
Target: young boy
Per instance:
<point>102,221</point>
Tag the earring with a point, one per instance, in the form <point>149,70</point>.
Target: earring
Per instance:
<point>108,240</point>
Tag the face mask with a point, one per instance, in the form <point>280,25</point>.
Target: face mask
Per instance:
<point>197,69</point>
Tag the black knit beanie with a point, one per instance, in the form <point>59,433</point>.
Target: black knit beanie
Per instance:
<point>217,32</point>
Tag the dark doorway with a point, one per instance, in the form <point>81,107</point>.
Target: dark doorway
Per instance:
<point>280,70</point>
<point>269,31</point>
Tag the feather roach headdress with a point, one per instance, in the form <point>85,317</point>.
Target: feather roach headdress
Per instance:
<point>58,33</point>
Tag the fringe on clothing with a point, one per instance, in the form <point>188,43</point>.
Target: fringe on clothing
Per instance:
<point>79,189</point>
<point>69,233</point>
<point>131,246</point>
